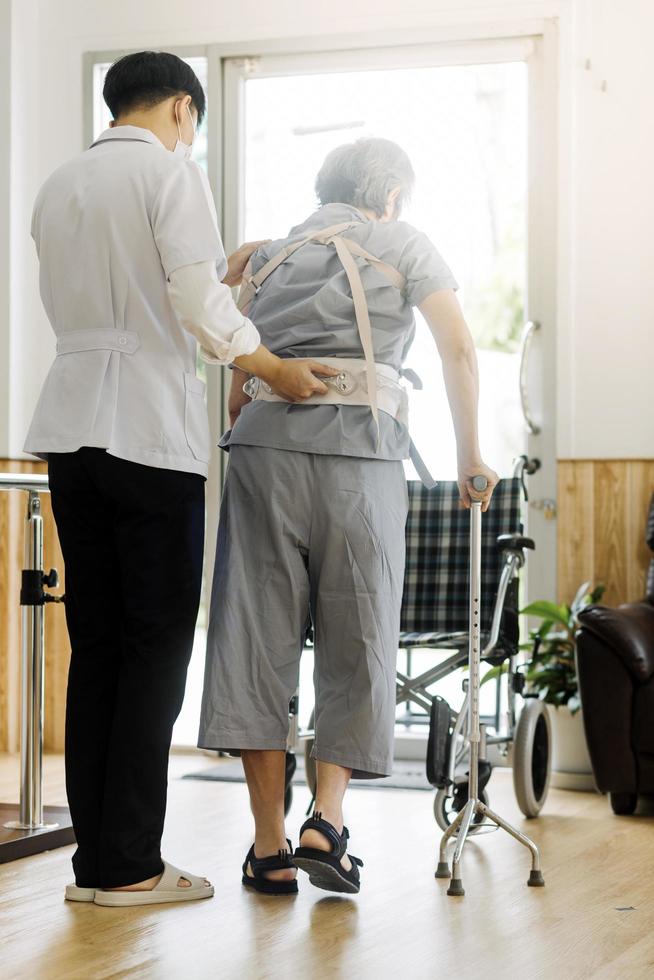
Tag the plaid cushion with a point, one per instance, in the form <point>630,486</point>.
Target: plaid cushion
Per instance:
<point>436,580</point>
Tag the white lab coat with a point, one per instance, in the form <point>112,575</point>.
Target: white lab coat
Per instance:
<point>111,226</point>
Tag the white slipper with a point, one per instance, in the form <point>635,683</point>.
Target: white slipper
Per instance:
<point>167,890</point>
<point>76,894</point>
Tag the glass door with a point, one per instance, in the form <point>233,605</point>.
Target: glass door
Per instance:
<point>473,120</point>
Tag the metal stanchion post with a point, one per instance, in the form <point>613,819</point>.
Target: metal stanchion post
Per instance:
<point>34,830</point>
<point>32,675</point>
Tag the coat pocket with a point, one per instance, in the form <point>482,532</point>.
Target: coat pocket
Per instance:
<point>196,420</point>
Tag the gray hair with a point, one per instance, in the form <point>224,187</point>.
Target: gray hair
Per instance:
<point>364,173</point>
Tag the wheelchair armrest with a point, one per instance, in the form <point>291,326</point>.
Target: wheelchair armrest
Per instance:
<point>514,542</point>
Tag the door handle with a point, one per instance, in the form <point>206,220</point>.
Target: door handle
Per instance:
<point>528,332</point>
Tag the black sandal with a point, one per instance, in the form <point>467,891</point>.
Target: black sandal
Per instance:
<point>323,867</point>
<point>274,862</point>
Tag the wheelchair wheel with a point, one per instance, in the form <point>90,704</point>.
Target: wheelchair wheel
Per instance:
<point>532,754</point>
<point>309,761</point>
<point>446,814</point>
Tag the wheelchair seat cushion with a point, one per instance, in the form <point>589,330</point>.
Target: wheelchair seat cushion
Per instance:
<point>448,642</point>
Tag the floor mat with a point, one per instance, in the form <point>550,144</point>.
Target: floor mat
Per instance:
<point>407,774</point>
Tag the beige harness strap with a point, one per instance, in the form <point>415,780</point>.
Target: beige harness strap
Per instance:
<point>346,249</point>
<point>253,283</point>
<point>391,273</point>
<point>363,321</point>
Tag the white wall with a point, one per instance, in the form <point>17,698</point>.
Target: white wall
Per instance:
<point>606,337</point>
<point>607,354</point>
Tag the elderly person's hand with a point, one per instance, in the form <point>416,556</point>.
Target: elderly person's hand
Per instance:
<point>465,475</point>
<point>238,260</point>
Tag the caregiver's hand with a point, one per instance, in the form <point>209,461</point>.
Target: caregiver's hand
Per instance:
<point>238,260</point>
<point>293,378</point>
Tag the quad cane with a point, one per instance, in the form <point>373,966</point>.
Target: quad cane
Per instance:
<point>474,806</point>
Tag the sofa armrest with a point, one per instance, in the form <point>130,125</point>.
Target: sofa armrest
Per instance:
<point>628,631</point>
<point>607,696</point>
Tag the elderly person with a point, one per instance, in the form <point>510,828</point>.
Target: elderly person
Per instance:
<point>315,503</point>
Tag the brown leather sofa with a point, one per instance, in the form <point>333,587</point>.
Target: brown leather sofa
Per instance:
<point>615,667</point>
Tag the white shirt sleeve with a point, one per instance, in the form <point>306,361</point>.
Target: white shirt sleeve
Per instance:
<point>205,307</point>
<point>183,218</point>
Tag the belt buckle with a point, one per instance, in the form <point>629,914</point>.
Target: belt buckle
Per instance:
<point>344,383</point>
<point>253,385</point>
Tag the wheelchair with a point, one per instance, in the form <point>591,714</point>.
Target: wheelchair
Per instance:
<point>435,619</point>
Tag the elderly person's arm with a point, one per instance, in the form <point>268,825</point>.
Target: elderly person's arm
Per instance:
<point>456,347</point>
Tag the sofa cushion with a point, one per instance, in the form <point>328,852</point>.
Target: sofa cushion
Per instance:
<point>628,630</point>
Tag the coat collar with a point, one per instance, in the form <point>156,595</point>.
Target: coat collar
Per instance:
<point>130,133</point>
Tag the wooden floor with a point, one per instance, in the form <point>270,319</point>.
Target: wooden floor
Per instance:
<point>594,919</point>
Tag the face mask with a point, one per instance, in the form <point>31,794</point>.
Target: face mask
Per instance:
<point>182,149</point>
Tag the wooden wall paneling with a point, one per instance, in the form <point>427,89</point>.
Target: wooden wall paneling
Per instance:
<point>9,624</point>
<point>575,541</point>
<point>610,528</point>
<point>602,510</point>
<point>640,487</point>
<point>57,644</point>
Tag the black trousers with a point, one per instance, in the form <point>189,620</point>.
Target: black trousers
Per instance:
<point>132,538</point>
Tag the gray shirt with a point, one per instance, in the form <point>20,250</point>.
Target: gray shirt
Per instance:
<point>305,309</point>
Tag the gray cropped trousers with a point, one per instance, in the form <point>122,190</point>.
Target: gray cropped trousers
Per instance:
<point>307,538</point>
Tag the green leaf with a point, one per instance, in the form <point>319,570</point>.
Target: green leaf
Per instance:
<point>546,610</point>
<point>494,672</point>
<point>597,593</point>
<point>542,675</point>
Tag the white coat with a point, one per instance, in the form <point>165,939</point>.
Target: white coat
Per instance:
<point>111,226</point>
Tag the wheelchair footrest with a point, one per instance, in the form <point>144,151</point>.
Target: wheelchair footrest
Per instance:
<point>438,744</point>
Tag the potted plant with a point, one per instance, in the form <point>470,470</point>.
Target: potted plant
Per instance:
<point>551,674</point>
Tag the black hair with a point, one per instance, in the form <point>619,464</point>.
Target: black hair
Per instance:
<point>146,78</point>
